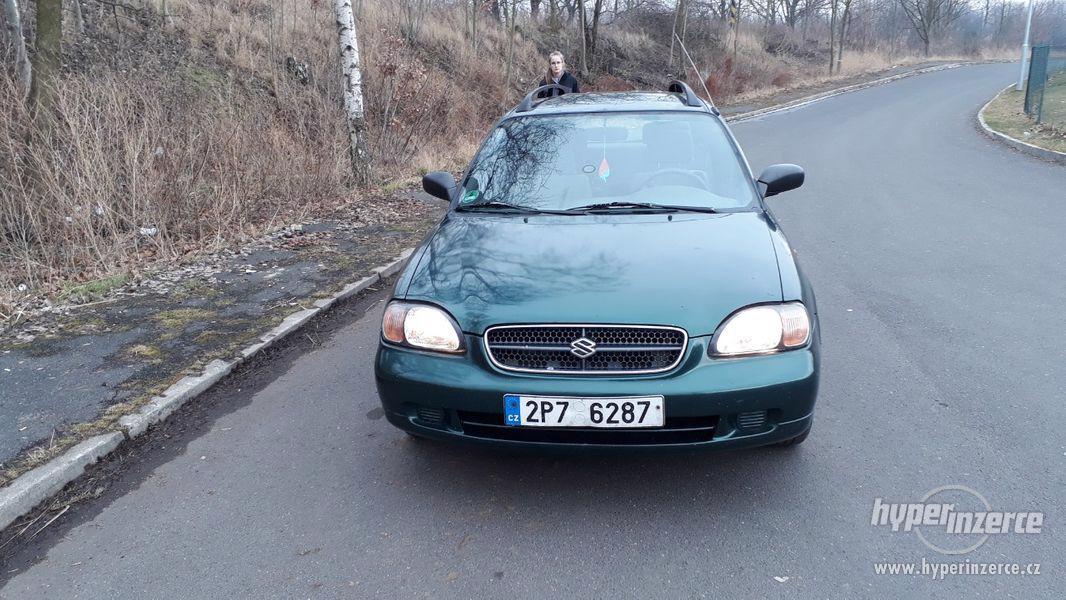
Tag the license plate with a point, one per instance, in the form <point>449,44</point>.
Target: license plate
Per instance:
<point>558,411</point>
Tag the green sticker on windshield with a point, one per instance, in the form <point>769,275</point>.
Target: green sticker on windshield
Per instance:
<point>470,196</point>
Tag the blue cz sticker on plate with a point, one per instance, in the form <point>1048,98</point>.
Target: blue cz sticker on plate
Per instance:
<point>511,408</point>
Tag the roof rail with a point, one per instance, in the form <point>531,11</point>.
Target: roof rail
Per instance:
<point>529,101</point>
<point>687,95</point>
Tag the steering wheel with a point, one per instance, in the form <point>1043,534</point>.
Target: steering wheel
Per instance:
<point>692,176</point>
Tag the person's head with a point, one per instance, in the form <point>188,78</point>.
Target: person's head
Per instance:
<point>556,65</point>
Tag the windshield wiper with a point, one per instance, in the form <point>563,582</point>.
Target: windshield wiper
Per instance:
<point>641,205</point>
<point>494,205</point>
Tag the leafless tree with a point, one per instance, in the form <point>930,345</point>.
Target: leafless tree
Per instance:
<point>584,38</point>
<point>511,18</point>
<point>22,60</point>
<point>414,12</point>
<point>164,9</point>
<point>832,32</point>
<point>791,10</point>
<point>79,18</point>
<point>348,41</point>
<point>471,9</point>
<point>590,31</point>
<point>678,31</point>
<point>929,17</point>
<point>46,60</point>
<point>845,18</point>
<point>765,10</point>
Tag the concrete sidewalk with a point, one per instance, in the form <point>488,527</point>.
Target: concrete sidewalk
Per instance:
<point>71,372</point>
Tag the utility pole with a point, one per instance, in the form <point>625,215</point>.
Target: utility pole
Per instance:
<point>1025,50</point>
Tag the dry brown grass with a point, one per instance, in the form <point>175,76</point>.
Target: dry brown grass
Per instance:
<point>226,142</point>
<point>150,164</point>
<point>791,74</point>
<point>431,95</point>
<point>137,171</point>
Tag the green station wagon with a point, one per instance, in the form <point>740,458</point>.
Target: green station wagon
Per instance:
<point>607,275</point>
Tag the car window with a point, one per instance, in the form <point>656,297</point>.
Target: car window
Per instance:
<point>562,161</point>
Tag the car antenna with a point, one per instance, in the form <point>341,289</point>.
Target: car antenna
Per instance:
<point>703,80</point>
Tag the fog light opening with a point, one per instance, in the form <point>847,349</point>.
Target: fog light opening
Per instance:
<point>752,420</point>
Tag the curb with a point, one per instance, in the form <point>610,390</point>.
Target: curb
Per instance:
<point>37,485</point>
<point>844,90</point>
<point>1020,146</point>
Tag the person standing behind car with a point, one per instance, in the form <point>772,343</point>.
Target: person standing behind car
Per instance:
<point>557,74</point>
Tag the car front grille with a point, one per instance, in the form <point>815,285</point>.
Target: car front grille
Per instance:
<point>586,349</point>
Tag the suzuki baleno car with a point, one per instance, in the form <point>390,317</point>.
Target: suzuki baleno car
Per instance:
<point>607,274</point>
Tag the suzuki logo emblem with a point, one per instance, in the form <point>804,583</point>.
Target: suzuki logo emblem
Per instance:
<point>583,347</point>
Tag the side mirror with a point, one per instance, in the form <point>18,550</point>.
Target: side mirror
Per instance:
<point>439,184</point>
<point>780,178</point>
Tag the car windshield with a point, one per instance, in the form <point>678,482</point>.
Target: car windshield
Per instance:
<point>562,162</point>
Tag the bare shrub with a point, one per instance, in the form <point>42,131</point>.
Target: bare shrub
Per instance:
<point>137,171</point>
<point>431,96</point>
<point>406,105</point>
<point>610,83</point>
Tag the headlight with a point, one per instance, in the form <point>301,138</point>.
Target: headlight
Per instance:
<point>421,326</point>
<point>763,329</point>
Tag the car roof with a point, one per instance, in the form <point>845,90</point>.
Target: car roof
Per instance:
<point>595,102</point>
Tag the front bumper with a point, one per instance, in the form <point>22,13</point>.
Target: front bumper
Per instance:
<point>710,402</point>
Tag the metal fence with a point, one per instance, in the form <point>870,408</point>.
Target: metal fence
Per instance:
<point>1045,92</point>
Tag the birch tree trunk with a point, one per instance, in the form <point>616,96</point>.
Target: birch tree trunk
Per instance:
<point>353,91</point>
<point>79,19</point>
<point>46,61</point>
<point>164,10</point>
<point>22,59</point>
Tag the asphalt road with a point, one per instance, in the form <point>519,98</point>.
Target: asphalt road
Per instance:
<point>936,256</point>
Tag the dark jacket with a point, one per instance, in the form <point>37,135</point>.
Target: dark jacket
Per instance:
<point>568,81</point>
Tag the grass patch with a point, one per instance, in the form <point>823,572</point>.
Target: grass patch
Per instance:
<point>204,78</point>
<point>1054,112</point>
<point>93,290</point>
<point>180,317</point>
<point>144,352</point>
<point>1005,114</point>
<point>403,182</point>
<point>195,289</point>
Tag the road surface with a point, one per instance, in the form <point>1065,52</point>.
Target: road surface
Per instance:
<point>936,256</point>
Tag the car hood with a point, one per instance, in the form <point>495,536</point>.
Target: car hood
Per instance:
<point>684,269</point>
